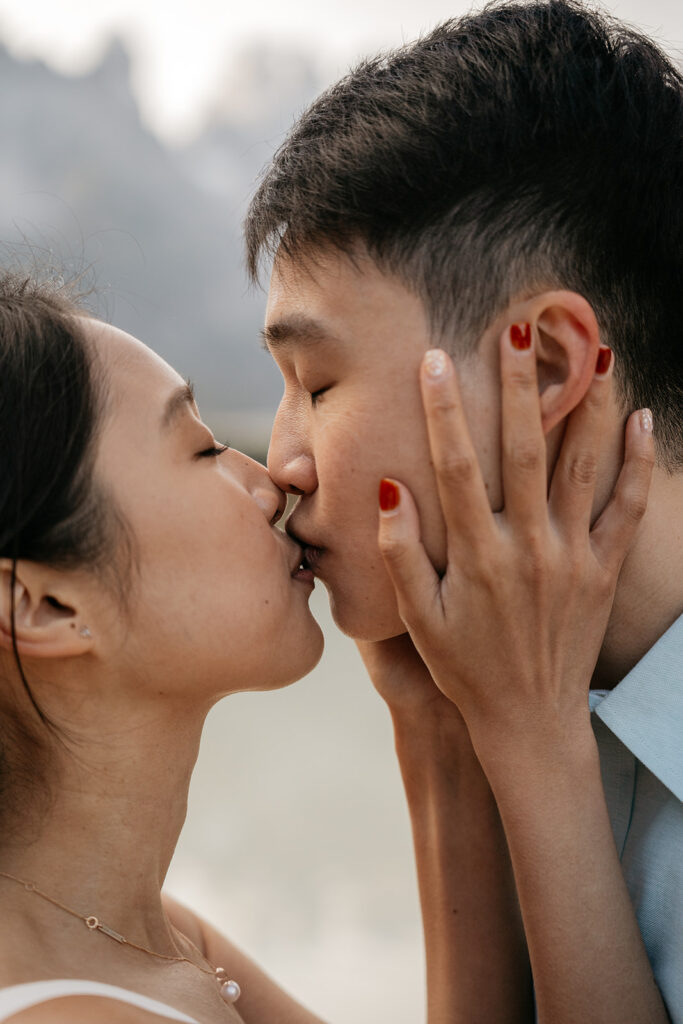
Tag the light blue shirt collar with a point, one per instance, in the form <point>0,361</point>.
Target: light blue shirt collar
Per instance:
<point>645,710</point>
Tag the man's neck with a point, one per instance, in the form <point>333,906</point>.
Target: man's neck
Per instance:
<point>649,596</point>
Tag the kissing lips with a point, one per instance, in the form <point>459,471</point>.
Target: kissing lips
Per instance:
<point>301,570</point>
<point>311,558</point>
<point>311,554</point>
<point>303,573</point>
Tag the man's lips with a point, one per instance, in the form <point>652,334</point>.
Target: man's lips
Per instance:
<point>311,558</point>
<point>299,569</point>
<point>310,553</point>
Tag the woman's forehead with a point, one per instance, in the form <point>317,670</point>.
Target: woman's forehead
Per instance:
<point>128,363</point>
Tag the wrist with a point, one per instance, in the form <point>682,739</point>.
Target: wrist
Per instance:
<point>540,754</point>
<point>432,733</point>
<point>436,757</point>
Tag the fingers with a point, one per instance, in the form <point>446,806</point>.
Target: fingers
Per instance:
<point>614,531</point>
<point>464,501</point>
<point>523,441</point>
<point>413,575</point>
<point>573,484</point>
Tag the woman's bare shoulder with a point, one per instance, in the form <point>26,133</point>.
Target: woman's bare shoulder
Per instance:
<point>85,1010</point>
<point>262,998</point>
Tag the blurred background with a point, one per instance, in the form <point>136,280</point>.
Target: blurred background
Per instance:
<point>132,134</point>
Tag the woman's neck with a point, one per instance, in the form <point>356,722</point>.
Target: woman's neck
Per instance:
<point>117,806</point>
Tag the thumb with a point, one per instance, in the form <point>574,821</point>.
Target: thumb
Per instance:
<point>415,580</point>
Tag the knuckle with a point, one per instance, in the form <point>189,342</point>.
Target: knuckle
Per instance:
<point>457,467</point>
<point>522,379</point>
<point>582,469</point>
<point>634,506</point>
<point>442,405</point>
<point>392,547</point>
<point>524,455</point>
<point>645,460</point>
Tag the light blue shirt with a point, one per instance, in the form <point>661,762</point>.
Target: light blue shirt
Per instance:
<point>639,729</point>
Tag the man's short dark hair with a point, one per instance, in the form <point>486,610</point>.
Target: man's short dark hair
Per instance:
<point>531,145</point>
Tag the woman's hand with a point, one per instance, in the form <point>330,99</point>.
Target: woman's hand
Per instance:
<point>513,629</point>
<point>511,634</point>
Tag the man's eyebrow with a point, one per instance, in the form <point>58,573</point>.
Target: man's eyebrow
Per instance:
<point>177,402</point>
<point>294,329</point>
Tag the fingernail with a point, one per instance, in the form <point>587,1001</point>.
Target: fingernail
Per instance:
<point>389,495</point>
<point>520,336</point>
<point>435,362</point>
<point>646,422</point>
<point>604,359</point>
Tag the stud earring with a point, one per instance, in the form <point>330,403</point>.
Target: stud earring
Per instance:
<point>85,633</point>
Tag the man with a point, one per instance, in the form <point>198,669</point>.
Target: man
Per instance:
<point>507,188</point>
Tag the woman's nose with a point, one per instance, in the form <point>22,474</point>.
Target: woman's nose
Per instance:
<point>269,498</point>
<point>267,495</point>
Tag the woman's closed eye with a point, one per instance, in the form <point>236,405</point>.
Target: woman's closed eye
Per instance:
<point>214,451</point>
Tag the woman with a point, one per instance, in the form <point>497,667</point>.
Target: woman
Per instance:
<point>143,578</point>
<point>135,551</point>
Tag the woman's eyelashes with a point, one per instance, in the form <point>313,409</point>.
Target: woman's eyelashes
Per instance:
<point>214,451</point>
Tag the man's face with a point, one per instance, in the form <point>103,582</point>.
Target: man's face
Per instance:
<point>348,341</point>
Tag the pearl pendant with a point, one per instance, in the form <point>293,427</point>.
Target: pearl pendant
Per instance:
<point>229,989</point>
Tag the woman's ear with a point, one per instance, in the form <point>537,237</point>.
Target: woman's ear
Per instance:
<point>47,622</point>
<point>567,340</point>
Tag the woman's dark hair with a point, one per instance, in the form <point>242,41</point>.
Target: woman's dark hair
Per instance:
<point>533,144</point>
<point>51,509</point>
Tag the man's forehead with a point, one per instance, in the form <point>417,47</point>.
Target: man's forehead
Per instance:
<point>338,304</point>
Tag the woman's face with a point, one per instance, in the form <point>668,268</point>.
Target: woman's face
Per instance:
<point>216,602</point>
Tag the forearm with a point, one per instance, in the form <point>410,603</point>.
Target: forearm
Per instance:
<point>588,958</point>
<point>477,965</point>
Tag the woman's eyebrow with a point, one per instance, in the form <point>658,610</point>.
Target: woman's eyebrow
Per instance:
<point>177,403</point>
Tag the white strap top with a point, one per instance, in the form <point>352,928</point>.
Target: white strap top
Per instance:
<point>20,997</point>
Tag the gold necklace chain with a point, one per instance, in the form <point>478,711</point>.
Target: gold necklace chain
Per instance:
<point>230,990</point>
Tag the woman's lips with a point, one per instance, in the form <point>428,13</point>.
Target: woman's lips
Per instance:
<point>305,571</point>
<point>310,556</point>
<point>304,575</point>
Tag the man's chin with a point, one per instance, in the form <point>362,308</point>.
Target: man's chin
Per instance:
<point>361,623</point>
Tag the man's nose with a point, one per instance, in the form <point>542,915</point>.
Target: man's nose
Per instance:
<point>290,466</point>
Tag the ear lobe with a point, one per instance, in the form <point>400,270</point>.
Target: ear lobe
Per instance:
<point>568,340</point>
<point>45,626</point>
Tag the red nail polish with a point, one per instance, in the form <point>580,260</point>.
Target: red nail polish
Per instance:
<point>389,495</point>
<point>604,359</point>
<point>520,336</point>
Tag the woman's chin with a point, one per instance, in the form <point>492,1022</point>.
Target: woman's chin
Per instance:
<point>292,665</point>
<point>306,658</point>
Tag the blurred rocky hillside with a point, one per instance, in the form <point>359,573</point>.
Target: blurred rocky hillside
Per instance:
<point>86,187</point>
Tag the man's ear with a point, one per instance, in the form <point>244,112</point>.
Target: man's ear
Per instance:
<point>567,339</point>
<point>47,622</point>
